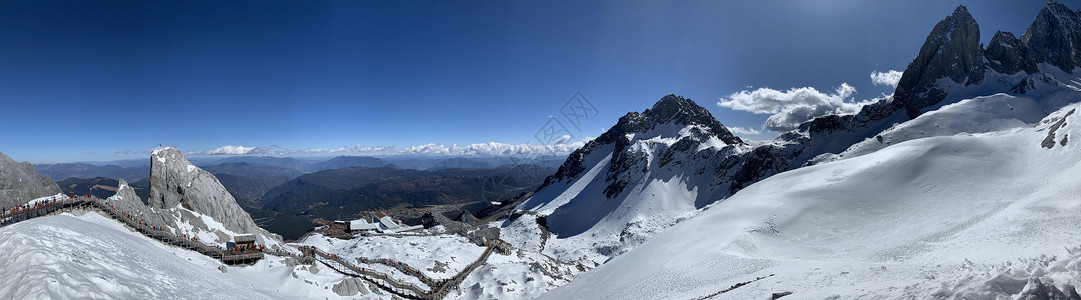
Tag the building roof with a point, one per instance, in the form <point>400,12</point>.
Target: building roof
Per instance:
<point>362,224</point>
<point>403,229</point>
<point>388,223</point>
<point>244,238</point>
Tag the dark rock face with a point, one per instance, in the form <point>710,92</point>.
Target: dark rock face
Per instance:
<point>1049,141</point>
<point>1033,83</point>
<point>1005,54</point>
<point>952,50</point>
<point>1054,38</point>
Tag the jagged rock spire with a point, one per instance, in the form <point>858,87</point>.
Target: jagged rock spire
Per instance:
<point>952,50</point>
<point>1054,38</point>
<point>1005,54</point>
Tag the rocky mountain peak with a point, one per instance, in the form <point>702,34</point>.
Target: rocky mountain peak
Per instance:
<point>20,183</point>
<point>1005,54</point>
<point>127,201</point>
<point>952,51</point>
<point>1054,37</point>
<point>177,183</point>
<point>676,109</point>
<point>672,109</point>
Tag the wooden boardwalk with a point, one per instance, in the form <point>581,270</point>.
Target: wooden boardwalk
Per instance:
<point>438,289</point>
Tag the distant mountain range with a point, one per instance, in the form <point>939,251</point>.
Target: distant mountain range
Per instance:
<point>62,171</point>
<point>284,166</point>
<point>345,193</point>
<point>285,195</point>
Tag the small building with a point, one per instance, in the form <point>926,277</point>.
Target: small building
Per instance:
<point>389,225</point>
<point>244,241</point>
<point>338,227</point>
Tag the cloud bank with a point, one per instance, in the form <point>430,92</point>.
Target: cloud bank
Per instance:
<point>794,106</point>
<point>480,149</point>
<point>889,78</point>
<point>231,150</point>
<point>741,130</point>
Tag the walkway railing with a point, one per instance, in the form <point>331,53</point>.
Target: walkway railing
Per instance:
<point>44,208</point>
<point>439,288</point>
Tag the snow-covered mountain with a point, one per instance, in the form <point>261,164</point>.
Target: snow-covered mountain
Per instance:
<point>971,216</point>
<point>962,184</point>
<point>653,169</point>
<point>965,183</point>
<point>643,174</point>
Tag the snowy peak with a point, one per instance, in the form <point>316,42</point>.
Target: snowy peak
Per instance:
<point>952,51</point>
<point>670,110</point>
<point>674,109</point>
<point>670,117</point>
<point>1054,37</point>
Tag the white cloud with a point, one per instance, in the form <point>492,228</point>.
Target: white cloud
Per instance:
<point>794,106</point>
<point>741,130</point>
<point>480,149</point>
<point>562,140</point>
<point>888,78</point>
<point>231,150</point>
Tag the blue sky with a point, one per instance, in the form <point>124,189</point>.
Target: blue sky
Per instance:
<point>103,80</point>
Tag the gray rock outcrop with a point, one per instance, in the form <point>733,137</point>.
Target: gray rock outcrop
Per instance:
<point>952,50</point>
<point>350,287</point>
<point>176,183</point>
<point>20,183</point>
<point>128,202</point>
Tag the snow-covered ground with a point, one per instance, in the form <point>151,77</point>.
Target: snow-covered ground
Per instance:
<point>437,256</point>
<point>970,116</point>
<point>522,275</point>
<point>93,257</point>
<point>963,215</point>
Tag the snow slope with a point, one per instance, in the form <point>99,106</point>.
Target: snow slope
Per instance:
<point>94,257</point>
<point>977,115</point>
<point>930,217</point>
